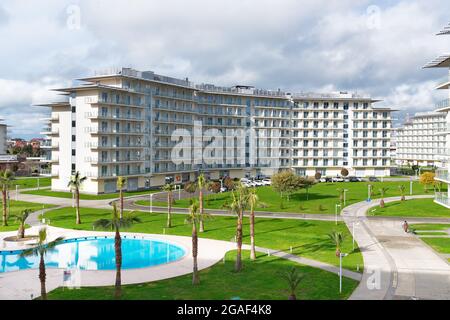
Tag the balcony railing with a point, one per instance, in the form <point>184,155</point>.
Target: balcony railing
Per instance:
<point>442,198</point>
<point>442,174</point>
<point>443,104</point>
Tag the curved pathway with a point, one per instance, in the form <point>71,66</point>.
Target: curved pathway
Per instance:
<point>397,265</point>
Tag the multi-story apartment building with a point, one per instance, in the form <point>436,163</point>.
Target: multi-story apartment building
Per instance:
<point>442,174</point>
<point>140,125</point>
<point>3,137</point>
<point>420,140</point>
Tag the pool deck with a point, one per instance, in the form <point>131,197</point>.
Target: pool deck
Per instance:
<point>24,284</point>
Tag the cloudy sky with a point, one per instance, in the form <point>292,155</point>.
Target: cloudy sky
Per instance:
<point>374,47</point>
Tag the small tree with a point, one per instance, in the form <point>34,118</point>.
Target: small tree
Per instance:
<point>21,218</point>
<point>121,183</point>
<point>6,178</point>
<point>74,184</point>
<point>307,184</point>
<point>169,187</point>
<point>402,189</point>
<point>383,191</point>
<point>344,172</point>
<point>229,184</point>
<point>293,279</point>
<point>190,187</point>
<point>318,175</point>
<point>426,179</point>
<point>286,183</point>
<point>337,238</point>
<point>214,187</point>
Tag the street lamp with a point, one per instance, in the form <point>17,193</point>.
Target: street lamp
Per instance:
<point>336,211</point>
<point>345,190</point>
<point>151,202</point>
<point>17,191</point>
<point>369,191</point>
<point>341,255</point>
<point>178,186</point>
<point>410,186</point>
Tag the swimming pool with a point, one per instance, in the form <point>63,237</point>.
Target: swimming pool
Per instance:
<point>97,253</point>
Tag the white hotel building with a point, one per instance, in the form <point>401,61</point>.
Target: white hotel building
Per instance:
<point>442,174</point>
<point>120,124</point>
<point>420,140</point>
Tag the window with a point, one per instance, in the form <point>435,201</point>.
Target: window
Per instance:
<point>73,152</point>
<point>73,124</point>
<point>74,109</point>
<point>73,137</point>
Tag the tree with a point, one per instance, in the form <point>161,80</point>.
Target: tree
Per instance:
<point>286,183</point>
<point>201,184</point>
<point>344,172</point>
<point>426,179</point>
<point>337,238</point>
<point>42,248</point>
<point>293,278</point>
<point>252,202</point>
<point>6,178</point>
<point>190,187</point>
<point>307,184</point>
<point>229,184</point>
<point>21,218</point>
<point>169,187</point>
<point>383,191</point>
<point>214,187</point>
<point>193,219</point>
<point>341,196</point>
<point>237,206</point>
<point>116,223</point>
<point>318,175</point>
<point>402,189</point>
<point>121,183</point>
<point>75,183</point>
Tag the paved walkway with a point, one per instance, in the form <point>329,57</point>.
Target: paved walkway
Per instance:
<point>397,265</point>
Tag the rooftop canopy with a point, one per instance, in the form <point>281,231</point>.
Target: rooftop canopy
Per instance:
<point>440,62</point>
<point>444,31</point>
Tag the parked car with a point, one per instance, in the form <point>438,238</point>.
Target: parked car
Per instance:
<point>338,179</point>
<point>266,182</point>
<point>354,179</point>
<point>258,183</point>
<point>373,179</point>
<point>223,189</point>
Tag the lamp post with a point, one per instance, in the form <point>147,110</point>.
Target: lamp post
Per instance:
<point>336,212</point>
<point>410,186</point>
<point>151,202</point>
<point>341,255</point>
<point>369,189</point>
<point>38,183</point>
<point>17,191</point>
<point>345,191</point>
<point>178,186</point>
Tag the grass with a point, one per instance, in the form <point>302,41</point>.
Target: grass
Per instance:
<point>259,280</point>
<point>15,208</point>
<point>441,245</point>
<point>31,182</point>
<point>321,200</point>
<point>68,195</point>
<point>429,233</point>
<point>307,238</point>
<point>412,208</point>
<point>430,226</point>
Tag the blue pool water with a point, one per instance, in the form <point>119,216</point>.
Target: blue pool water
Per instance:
<point>97,253</point>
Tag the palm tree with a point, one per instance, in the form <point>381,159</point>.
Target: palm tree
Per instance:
<point>201,183</point>
<point>116,224</point>
<point>121,183</point>
<point>20,218</point>
<point>293,278</point>
<point>252,201</point>
<point>383,191</point>
<point>169,187</point>
<point>402,189</point>
<point>338,239</point>
<point>6,177</point>
<point>41,249</point>
<point>237,206</point>
<point>75,184</point>
<point>193,219</point>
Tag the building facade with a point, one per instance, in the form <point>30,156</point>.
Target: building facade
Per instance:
<point>420,140</point>
<point>153,129</point>
<point>442,174</point>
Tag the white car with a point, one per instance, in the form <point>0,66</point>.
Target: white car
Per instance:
<point>258,183</point>
<point>266,182</point>
<point>338,179</point>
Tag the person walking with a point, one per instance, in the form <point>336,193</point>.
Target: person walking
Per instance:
<point>405,226</point>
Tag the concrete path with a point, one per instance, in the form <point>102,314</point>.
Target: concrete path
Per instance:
<point>398,265</point>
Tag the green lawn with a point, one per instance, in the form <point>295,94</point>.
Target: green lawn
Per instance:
<point>31,182</point>
<point>441,245</point>
<point>15,208</point>
<point>307,238</point>
<point>259,280</point>
<point>322,198</point>
<point>430,226</point>
<point>411,208</point>
<point>50,193</point>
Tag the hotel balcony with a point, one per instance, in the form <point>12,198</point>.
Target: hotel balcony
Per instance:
<point>442,199</point>
<point>442,175</point>
<point>443,104</point>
